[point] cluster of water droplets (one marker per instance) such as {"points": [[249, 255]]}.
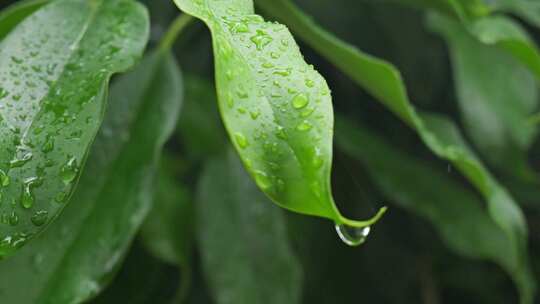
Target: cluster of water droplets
{"points": [[51, 90], [276, 104]]}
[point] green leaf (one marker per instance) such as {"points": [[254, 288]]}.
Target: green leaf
{"points": [[454, 211], [495, 107], [79, 253], [14, 14], [384, 81], [245, 252], [277, 109], [54, 72]]}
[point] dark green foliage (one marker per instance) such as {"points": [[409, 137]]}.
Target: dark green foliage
{"points": [[168, 189]]}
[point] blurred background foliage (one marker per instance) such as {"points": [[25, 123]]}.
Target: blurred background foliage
{"points": [[407, 258]]}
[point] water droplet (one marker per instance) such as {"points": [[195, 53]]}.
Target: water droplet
{"points": [[254, 114], [280, 133], [262, 180], [13, 219], [4, 178], [3, 93], [241, 140], [20, 161], [310, 83], [261, 39], [306, 112], [68, 172], [27, 197], [48, 145], [40, 217], [352, 236], [267, 65], [283, 72], [300, 101], [304, 126]]}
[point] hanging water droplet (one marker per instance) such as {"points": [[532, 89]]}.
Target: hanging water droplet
{"points": [[40, 217], [241, 140], [352, 236], [300, 101], [68, 172]]}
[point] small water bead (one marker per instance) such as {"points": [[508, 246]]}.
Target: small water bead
{"points": [[254, 114], [262, 180], [283, 72], [261, 39], [300, 101], [307, 112], [309, 83], [241, 140], [48, 145], [268, 65], [13, 219], [21, 161], [3, 93], [304, 126], [241, 110], [39, 218], [4, 178], [352, 236], [280, 133], [69, 170]]}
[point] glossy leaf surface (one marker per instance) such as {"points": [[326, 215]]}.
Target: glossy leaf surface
{"points": [[72, 260], [454, 211], [276, 108], [14, 14], [384, 81], [54, 72], [245, 251]]}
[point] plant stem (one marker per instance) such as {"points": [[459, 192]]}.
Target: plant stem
{"points": [[177, 26]]}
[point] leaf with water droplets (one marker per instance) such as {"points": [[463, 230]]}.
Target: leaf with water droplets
{"points": [[277, 109], [81, 250], [441, 135], [14, 14], [245, 250], [54, 71]]}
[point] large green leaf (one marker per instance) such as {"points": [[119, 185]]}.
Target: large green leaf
{"points": [[276, 108], [79, 253], [384, 81], [456, 212], [54, 72], [496, 95], [14, 14], [243, 239]]}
